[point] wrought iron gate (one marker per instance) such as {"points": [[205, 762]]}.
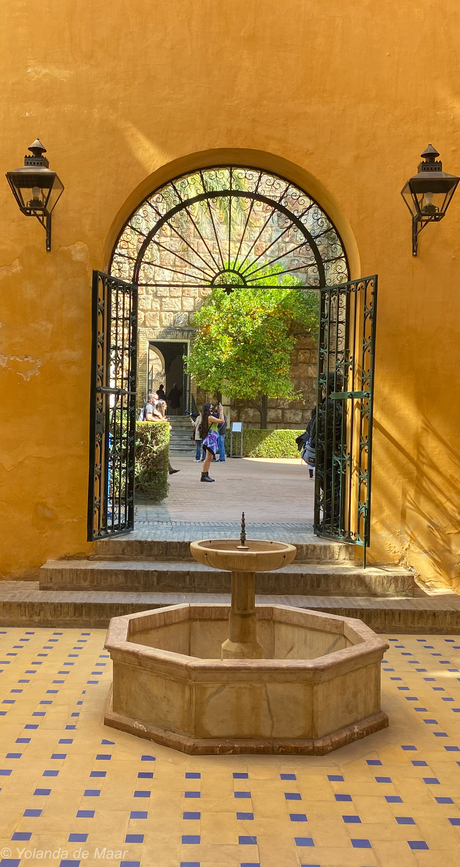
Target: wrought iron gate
{"points": [[113, 407], [342, 431]]}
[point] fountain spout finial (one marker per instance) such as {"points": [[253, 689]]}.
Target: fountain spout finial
{"points": [[242, 544]]}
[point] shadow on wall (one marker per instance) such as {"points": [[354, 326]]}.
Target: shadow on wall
{"points": [[430, 502]]}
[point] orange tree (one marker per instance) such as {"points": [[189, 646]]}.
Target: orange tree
{"points": [[245, 338]]}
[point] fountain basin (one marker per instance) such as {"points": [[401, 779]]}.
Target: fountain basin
{"points": [[259, 555], [318, 687]]}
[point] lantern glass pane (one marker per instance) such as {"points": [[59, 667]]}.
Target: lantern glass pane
{"points": [[36, 190], [54, 194], [36, 197], [431, 203], [410, 200], [18, 192]]}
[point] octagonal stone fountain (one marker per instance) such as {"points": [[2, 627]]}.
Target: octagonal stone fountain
{"points": [[212, 678]]}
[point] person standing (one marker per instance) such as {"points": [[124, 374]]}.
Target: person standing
{"points": [[151, 412], [209, 436], [174, 397], [221, 431], [326, 429], [160, 409], [197, 439], [161, 393], [308, 431]]}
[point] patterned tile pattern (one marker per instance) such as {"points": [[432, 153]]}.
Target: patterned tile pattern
{"points": [[73, 792]]}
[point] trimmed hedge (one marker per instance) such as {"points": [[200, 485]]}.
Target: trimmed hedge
{"points": [[265, 443], [152, 458]]}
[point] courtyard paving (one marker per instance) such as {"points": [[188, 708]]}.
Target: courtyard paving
{"points": [[270, 492], [74, 792]]}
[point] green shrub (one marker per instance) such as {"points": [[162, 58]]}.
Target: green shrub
{"points": [[265, 443], [152, 458]]}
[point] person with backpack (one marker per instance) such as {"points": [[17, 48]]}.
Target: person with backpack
{"points": [[326, 429], [307, 453], [150, 412], [209, 436], [197, 439]]}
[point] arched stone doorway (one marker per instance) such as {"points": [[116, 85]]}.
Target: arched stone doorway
{"points": [[156, 369], [227, 225], [222, 227]]}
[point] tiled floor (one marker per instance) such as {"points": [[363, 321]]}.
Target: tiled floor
{"points": [[73, 792]]}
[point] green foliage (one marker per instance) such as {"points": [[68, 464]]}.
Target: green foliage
{"points": [[245, 338], [265, 443], [152, 458]]}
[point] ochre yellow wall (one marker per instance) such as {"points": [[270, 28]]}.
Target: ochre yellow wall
{"points": [[342, 98]]}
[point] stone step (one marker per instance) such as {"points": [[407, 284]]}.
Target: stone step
{"points": [[181, 441], [179, 576], [22, 603], [180, 423], [128, 548]]}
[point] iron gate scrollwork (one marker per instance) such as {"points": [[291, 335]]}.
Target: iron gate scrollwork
{"points": [[342, 431], [228, 226], [113, 407]]}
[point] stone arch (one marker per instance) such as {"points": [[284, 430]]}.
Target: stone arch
{"points": [[220, 225], [231, 224], [271, 162]]}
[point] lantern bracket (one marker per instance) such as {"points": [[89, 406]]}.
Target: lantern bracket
{"points": [[416, 222], [428, 193], [36, 188]]}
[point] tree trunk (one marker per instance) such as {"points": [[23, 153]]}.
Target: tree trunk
{"points": [[264, 412], [262, 408]]}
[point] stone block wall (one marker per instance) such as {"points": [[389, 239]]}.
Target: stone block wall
{"points": [[165, 315], [282, 414]]}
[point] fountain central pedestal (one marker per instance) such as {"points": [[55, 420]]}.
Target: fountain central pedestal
{"points": [[242, 623], [243, 560]]}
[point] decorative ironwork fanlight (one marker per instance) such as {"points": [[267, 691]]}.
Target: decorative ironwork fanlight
{"points": [[227, 227], [36, 188], [428, 193]]}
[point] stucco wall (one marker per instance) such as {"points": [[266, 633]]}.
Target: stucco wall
{"points": [[342, 99]]}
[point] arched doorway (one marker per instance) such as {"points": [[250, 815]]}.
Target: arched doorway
{"points": [[233, 225], [221, 226], [227, 225], [156, 370]]}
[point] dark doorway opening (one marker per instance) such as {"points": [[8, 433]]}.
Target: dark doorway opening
{"points": [[166, 367]]}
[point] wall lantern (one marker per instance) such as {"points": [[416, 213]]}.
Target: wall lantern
{"points": [[36, 188], [428, 193]]}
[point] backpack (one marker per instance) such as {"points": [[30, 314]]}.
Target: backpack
{"points": [[308, 454], [141, 416]]}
